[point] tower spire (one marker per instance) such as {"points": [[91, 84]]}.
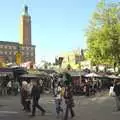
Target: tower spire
{"points": [[26, 10], [25, 27]]}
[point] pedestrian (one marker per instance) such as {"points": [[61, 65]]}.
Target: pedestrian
{"points": [[9, 87], [15, 87], [29, 87], [25, 96], [41, 85], [35, 94], [68, 95], [58, 99], [117, 93], [28, 100]]}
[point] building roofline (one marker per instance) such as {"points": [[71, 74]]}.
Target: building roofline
{"points": [[15, 43]]}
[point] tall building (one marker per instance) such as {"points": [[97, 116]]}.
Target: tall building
{"points": [[8, 50], [25, 28]]}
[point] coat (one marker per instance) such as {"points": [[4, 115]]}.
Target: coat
{"points": [[35, 93], [117, 89], [68, 95]]}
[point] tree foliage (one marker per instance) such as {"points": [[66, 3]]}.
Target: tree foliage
{"points": [[103, 34]]}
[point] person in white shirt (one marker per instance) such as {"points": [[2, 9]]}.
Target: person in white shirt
{"points": [[58, 99], [9, 87], [29, 87]]}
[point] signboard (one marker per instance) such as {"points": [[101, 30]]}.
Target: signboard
{"points": [[18, 58]]}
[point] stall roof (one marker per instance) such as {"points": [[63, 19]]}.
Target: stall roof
{"points": [[29, 76], [77, 73]]}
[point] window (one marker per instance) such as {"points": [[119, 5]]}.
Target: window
{"points": [[1, 52], [1, 46], [10, 47], [5, 52], [10, 53], [5, 46], [14, 47], [27, 48], [14, 53]]}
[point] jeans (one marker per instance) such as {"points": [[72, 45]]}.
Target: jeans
{"points": [[58, 106], [35, 104], [27, 106], [4, 91], [68, 108]]}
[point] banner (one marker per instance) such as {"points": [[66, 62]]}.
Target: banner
{"points": [[18, 57]]}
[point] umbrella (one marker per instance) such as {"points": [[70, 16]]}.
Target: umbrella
{"points": [[92, 75]]}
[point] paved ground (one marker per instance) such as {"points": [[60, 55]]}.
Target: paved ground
{"points": [[97, 108]]}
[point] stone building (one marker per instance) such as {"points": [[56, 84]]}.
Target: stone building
{"points": [[8, 50], [72, 59]]}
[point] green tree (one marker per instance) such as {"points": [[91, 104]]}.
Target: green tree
{"points": [[103, 34]]}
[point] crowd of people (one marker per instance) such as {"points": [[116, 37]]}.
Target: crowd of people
{"points": [[31, 92], [61, 92], [91, 87], [9, 87], [62, 88]]}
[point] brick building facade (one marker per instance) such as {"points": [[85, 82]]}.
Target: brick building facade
{"points": [[8, 50]]}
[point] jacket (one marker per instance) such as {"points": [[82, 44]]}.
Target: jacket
{"points": [[35, 93], [117, 89], [68, 96]]}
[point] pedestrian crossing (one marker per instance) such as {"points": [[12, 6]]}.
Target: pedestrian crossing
{"points": [[8, 112]]}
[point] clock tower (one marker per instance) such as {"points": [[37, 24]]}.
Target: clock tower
{"points": [[25, 28]]}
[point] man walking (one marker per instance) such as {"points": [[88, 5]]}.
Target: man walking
{"points": [[117, 93], [36, 96], [69, 102]]}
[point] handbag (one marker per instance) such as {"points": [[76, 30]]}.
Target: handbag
{"points": [[111, 91]]}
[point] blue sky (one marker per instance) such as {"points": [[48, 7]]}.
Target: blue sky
{"points": [[57, 25]]}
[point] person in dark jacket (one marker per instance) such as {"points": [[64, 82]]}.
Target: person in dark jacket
{"points": [[69, 102], [117, 93], [35, 94]]}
